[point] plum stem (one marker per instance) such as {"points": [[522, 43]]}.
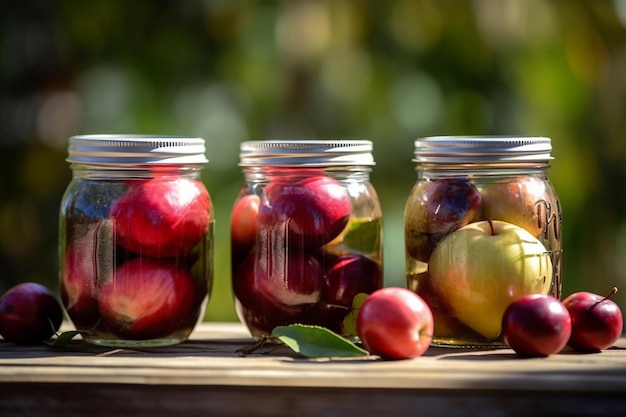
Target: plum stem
{"points": [[52, 326], [606, 297], [490, 221], [338, 306], [257, 345]]}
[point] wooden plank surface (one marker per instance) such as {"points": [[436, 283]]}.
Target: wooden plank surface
{"points": [[208, 370]]}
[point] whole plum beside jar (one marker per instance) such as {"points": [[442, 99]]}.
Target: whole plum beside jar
{"points": [[536, 325], [597, 321], [29, 313]]}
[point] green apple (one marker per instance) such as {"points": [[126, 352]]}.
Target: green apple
{"points": [[479, 269], [520, 201]]}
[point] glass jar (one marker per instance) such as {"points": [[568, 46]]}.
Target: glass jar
{"points": [[136, 239], [306, 233], [482, 227]]}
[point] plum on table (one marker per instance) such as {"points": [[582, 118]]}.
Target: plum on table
{"points": [[29, 313], [597, 321], [536, 325]]}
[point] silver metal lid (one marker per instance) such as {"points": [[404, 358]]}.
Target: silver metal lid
{"points": [[131, 150], [311, 153], [458, 150]]}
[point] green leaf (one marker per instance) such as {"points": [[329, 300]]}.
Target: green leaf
{"points": [[316, 341], [349, 321], [63, 339], [362, 235]]}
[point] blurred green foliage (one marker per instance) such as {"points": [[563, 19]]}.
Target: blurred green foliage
{"points": [[388, 71]]}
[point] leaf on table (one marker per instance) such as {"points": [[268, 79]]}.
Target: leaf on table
{"points": [[316, 341], [63, 339]]}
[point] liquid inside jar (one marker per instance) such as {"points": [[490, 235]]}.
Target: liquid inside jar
{"points": [[304, 243], [474, 243]]}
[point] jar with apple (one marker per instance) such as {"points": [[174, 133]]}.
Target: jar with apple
{"points": [[482, 228], [136, 239], [306, 233]]}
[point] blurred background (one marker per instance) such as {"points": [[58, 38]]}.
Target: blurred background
{"points": [[388, 71]]}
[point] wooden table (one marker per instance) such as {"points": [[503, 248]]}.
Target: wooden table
{"points": [[207, 377]]}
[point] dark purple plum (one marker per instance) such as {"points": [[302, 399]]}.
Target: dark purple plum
{"points": [[597, 321], [313, 210], [536, 325], [435, 209], [278, 290], [348, 276], [29, 313]]}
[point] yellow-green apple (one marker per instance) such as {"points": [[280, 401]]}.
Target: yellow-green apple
{"points": [[481, 268], [518, 201], [435, 209], [447, 327]]}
